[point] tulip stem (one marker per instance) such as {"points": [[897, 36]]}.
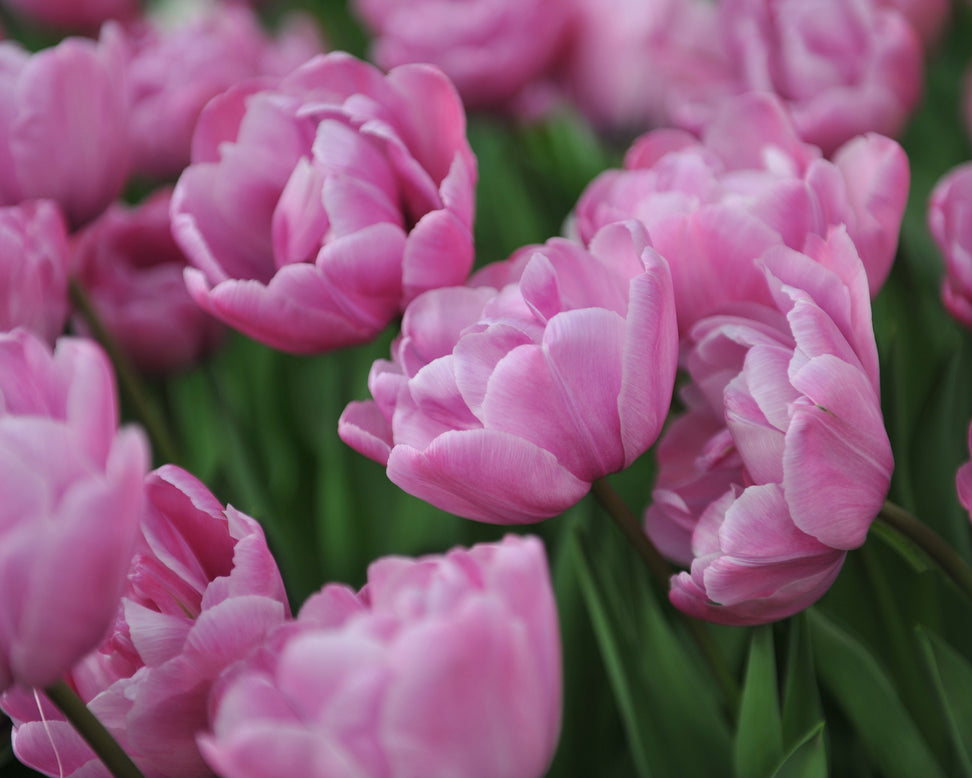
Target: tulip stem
{"points": [[119, 764], [929, 541], [128, 378], [662, 572]]}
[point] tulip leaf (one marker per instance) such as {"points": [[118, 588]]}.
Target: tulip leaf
{"points": [[611, 651], [686, 734], [808, 758], [801, 697], [758, 747], [863, 691], [951, 676]]}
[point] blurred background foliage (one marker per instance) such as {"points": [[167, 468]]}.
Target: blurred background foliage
{"points": [[875, 680]]}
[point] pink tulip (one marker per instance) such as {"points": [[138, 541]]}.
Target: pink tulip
{"points": [[492, 50], [203, 591], [441, 666], [950, 223], [173, 73], [130, 267], [784, 410], [713, 206], [64, 124], [33, 269], [843, 67], [86, 16], [926, 16], [506, 398], [617, 42], [315, 210], [72, 492]]}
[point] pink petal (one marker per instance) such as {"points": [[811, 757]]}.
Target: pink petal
{"points": [[487, 475]]}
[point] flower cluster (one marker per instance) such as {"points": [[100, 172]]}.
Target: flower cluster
{"points": [[185, 169]]}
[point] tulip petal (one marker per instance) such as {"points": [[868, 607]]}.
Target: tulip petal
{"points": [[515, 481]]}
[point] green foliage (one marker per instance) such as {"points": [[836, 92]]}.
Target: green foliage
{"points": [[668, 704], [758, 747]]}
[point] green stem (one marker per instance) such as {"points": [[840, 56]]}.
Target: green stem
{"points": [[662, 572], [93, 731], [128, 378], [929, 541]]}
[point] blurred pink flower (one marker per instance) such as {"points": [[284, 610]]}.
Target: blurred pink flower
{"points": [[173, 73], [72, 493], [617, 42], [34, 258], [77, 15], [203, 591], [843, 67], [64, 117], [492, 50], [132, 270], [713, 206], [316, 209], [781, 460], [508, 397], [950, 223], [926, 16], [440, 666]]}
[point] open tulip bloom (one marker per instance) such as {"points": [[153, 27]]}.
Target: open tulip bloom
{"points": [[692, 279], [508, 396]]}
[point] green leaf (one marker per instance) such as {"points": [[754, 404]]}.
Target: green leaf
{"points": [[611, 652], [808, 759], [669, 708], [853, 677], [951, 676], [758, 747], [801, 697]]}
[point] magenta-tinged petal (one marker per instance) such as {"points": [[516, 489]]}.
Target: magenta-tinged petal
{"points": [[77, 84], [299, 220], [575, 377], [649, 358], [434, 321], [425, 88], [363, 427], [515, 481], [451, 676], [364, 272], [759, 443], [438, 253], [476, 356], [877, 175], [296, 312], [434, 390], [837, 465]]}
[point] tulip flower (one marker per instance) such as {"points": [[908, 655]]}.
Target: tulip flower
{"points": [[492, 50], [316, 209], [843, 67], [616, 42], [132, 271], [784, 412], [950, 223], [72, 495], [508, 397], [441, 666], [74, 151], [714, 205], [34, 259], [202, 592], [174, 72]]}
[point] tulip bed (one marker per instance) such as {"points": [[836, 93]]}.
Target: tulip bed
{"points": [[594, 401]]}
